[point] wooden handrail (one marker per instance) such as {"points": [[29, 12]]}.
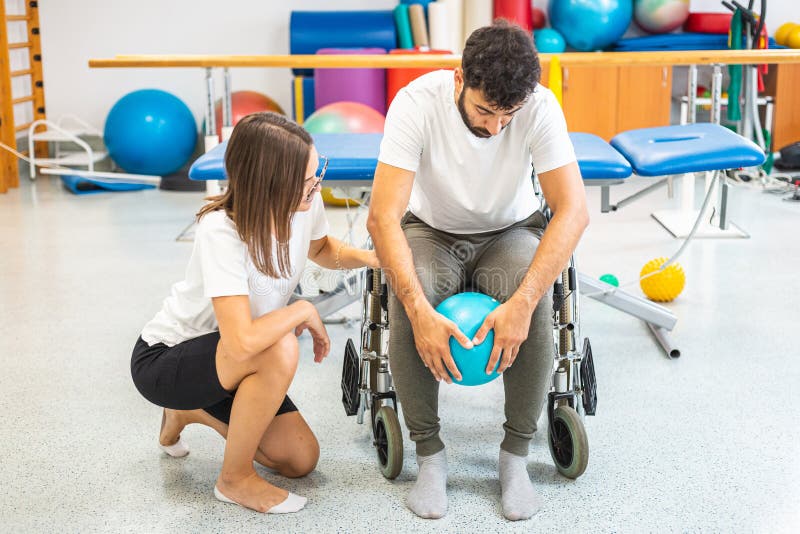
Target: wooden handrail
{"points": [[583, 59]]}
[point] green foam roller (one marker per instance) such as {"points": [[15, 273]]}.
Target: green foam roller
{"points": [[403, 23]]}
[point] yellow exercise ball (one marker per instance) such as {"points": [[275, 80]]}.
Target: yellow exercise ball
{"points": [[331, 200], [793, 37], [781, 36], [664, 286]]}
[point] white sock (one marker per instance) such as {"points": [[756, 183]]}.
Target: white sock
{"points": [[428, 497], [519, 499], [178, 449], [293, 503]]}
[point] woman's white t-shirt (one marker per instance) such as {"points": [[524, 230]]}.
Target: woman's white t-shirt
{"points": [[220, 265], [465, 184]]}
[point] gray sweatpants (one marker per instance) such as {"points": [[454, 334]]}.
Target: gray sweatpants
{"points": [[493, 263]]}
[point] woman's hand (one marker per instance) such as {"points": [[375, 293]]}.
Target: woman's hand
{"points": [[371, 259], [313, 323]]}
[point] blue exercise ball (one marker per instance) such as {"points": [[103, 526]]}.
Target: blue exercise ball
{"points": [[591, 24], [468, 310], [150, 132], [549, 41]]}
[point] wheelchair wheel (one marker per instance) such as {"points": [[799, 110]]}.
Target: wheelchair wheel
{"points": [[389, 442], [569, 445]]}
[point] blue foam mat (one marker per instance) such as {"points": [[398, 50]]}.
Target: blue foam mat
{"points": [[81, 185], [311, 30], [677, 41]]}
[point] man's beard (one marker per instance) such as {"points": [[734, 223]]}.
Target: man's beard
{"points": [[483, 133]]}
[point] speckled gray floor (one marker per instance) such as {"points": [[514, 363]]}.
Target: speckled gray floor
{"points": [[706, 443]]}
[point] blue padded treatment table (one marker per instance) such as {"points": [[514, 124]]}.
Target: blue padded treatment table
{"points": [[352, 159], [670, 150], [597, 160]]}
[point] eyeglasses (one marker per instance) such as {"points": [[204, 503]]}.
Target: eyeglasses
{"points": [[319, 177], [324, 168]]}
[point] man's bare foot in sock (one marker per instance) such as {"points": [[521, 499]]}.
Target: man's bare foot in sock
{"points": [[252, 491], [519, 499], [428, 497]]}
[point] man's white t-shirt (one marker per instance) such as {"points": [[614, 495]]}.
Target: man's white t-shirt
{"points": [[465, 184], [220, 265]]}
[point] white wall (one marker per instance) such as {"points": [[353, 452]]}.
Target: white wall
{"points": [[73, 31]]}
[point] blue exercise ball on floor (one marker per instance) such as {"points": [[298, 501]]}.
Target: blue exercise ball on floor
{"points": [[591, 24], [150, 132], [468, 310]]}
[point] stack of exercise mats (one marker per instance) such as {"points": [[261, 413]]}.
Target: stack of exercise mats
{"points": [[339, 32], [412, 27], [677, 41]]}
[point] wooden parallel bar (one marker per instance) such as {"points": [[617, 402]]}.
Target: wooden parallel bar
{"points": [[21, 127], [15, 73], [22, 99], [15, 18], [588, 59], [41, 149], [25, 44]]}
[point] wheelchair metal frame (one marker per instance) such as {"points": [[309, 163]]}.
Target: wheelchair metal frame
{"points": [[367, 380]]}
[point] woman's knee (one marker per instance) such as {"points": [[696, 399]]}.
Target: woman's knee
{"points": [[296, 460], [304, 459], [282, 356]]}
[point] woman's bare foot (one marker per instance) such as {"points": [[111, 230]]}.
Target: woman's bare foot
{"points": [[172, 424], [252, 491]]}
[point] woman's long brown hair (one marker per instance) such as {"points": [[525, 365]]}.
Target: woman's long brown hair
{"points": [[266, 162]]}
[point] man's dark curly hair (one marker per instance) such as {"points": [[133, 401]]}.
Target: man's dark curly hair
{"points": [[501, 61]]}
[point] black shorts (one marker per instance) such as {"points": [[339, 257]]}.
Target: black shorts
{"points": [[184, 377]]}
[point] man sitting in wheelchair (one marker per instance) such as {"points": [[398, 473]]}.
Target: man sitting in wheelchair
{"points": [[453, 206]]}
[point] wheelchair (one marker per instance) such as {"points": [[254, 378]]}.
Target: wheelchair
{"points": [[367, 379]]}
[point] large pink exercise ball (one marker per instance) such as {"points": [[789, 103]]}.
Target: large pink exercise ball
{"points": [[660, 16], [345, 117], [244, 103], [590, 24]]}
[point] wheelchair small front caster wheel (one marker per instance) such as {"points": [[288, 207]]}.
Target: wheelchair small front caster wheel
{"points": [[569, 445], [388, 442]]}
